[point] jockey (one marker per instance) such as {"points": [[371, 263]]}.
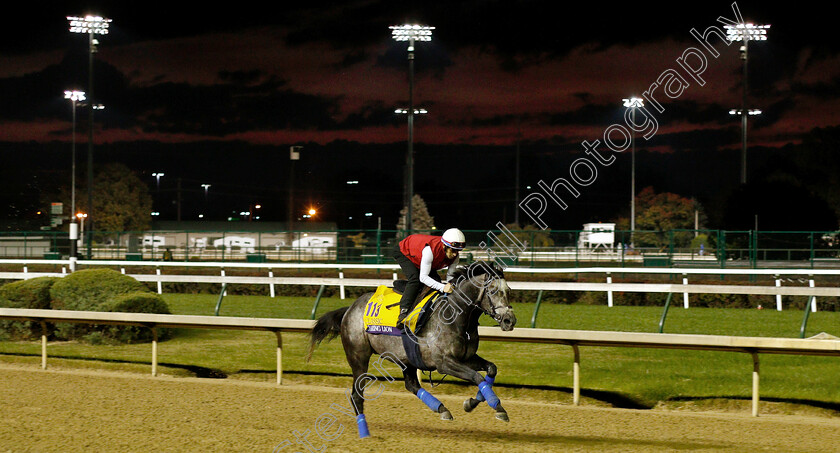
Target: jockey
{"points": [[420, 256]]}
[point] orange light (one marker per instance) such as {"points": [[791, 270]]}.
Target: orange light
{"points": [[312, 211]]}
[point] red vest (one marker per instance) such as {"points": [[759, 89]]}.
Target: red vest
{"points": [[412, 247]]}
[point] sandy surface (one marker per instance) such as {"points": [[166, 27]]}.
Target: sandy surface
{"points": [[88, 411]]}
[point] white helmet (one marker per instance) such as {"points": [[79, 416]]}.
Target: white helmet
{"points": [[454, 239]]}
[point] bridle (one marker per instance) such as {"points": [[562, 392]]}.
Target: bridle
{"points": [[482, 294]]}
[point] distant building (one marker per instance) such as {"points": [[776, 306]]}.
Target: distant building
{"points": [[245, 237]]}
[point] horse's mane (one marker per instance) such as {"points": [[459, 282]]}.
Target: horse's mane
{"points": [[479, 268]]}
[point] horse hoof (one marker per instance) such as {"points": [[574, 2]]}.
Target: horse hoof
{"points": [[470, 404], [446, 415], [503, 416]]}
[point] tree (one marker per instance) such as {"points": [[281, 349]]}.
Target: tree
{"points": [[420, 218], [659, 213], [121, 200], [528, 235]]}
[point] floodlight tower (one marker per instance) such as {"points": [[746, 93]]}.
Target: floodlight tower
{"points": [[410, 33], [633, 103], [91, 25], [745, 32], [74, 97]]}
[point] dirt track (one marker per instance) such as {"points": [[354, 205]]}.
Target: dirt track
{"points": [[81, 411]]}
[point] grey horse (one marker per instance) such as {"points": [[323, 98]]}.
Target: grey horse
{"points": [[447, 343]]}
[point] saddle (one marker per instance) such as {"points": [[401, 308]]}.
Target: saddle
{"points": [[380, 315], [399, 288]]}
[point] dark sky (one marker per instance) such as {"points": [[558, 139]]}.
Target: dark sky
{"points": [[217, 96]]}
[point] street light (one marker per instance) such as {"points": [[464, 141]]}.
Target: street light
{"points": [[410, 33], [91, 25], [633, 103], [745, 32], [81, 216]]}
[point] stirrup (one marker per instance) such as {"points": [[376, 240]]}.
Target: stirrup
{"points": [[401, 318]]}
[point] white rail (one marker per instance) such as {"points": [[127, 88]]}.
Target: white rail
{"points": [[159, 277], [574, 338]]}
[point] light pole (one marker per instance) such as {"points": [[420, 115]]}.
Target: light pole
{"points": [[206, 188], [157, 177], [74, 97], [745, 32], [82, 216], [410, 33], [633, 103], [91, 25], [294, 154]]}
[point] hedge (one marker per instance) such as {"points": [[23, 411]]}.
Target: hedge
{"points": [[105, 290], [32, 293]]}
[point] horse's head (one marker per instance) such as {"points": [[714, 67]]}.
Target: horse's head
{"points": [[484, 284]]}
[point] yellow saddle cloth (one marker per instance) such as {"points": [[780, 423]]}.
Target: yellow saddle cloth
{"points": [[379, 319]]}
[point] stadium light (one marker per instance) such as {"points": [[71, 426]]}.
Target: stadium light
{"points": [[90, 25], [633, 103], [410, 33], [745, 32]]}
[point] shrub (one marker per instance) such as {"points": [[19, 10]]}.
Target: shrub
{"points": [[88, 289], [32, 293], [104, 290], [136, 302]]}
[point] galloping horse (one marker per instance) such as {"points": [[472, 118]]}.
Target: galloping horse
{"points": [[448, 342]]}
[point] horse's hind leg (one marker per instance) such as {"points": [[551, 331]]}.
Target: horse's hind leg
{"points": [[412, 384], [358, 352]]}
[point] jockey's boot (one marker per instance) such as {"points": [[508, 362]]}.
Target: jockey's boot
{"points": [[401, 317]]}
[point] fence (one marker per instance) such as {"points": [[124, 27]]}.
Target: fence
{"points": [[719, 248], [574, 338], [604, 273]]}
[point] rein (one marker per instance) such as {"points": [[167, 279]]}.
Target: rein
{"points": [[476, 303]]}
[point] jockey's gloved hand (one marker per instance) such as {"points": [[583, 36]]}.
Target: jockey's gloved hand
{"points": [[447, 288]]}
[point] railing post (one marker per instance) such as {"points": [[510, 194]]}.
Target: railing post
{"points": [[804, 325], [685, 295], [778, 296], [43, 345], [576, 376], [221, 296], [154, 350], [755, 378], [665, 312], [609, 292], [317, 300], [341, 286], [536, 309], [271, 285], [277, 333]]}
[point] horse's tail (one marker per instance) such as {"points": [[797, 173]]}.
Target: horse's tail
{"points": [[327, 327]]}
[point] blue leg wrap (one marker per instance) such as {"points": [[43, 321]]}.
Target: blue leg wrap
{"points": [[487, 391], [479, 397], [427, 398], [363, 427]]}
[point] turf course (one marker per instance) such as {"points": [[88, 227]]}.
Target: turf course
{"points": [[624, 377]]}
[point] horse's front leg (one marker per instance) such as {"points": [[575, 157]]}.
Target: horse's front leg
{"points": [[468, 371], [480, 364]]}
